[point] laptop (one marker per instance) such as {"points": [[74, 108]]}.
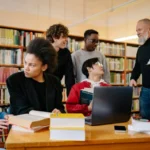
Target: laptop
{"points": [[110, 105]]}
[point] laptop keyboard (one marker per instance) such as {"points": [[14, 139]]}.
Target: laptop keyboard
{"points": [[88, 119]]}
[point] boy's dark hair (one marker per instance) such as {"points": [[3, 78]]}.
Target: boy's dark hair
{"points": [[88, 63], [43, 49], [55, 31], [89, 32]]}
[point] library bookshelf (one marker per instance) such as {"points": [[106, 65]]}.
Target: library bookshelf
{"points": [[13, 41]]}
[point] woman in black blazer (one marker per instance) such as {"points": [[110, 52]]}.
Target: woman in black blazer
{"points": [[35, 88]]}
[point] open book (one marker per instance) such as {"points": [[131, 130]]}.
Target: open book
{"points": [[31, 120], [31, 130]]}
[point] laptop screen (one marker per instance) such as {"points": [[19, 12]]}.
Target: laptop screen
{"points": [[111, 105]]}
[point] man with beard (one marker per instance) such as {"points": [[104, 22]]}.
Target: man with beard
{"points": [[142, 66], [78, 57]]}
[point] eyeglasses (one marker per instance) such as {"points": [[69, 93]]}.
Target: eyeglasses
{"points": [[93, 40], [98, 63]]}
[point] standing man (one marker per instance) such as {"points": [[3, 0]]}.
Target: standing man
{"points": [[142, 66], [78, 57], [57, 34]]}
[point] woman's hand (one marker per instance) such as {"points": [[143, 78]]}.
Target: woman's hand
{"points": [[56, 111]]}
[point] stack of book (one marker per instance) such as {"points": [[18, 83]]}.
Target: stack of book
{"points": [[70, 127], [139, 125], [32, 122]]}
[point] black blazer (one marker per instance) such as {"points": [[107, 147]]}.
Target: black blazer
{"points": [[23, 96]]}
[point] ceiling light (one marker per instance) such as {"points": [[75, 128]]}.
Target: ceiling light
{"points": [[126, 38]]}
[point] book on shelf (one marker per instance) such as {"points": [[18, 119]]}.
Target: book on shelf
{"points": [[70, 127], [31, 120], [86, 95]]}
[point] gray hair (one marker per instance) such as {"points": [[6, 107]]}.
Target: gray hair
{"points": [[145, 20]]}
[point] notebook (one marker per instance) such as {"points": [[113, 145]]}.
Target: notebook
{"points": [[110, 105]]}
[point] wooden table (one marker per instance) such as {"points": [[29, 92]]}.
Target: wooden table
{"points": [[97, 138]]}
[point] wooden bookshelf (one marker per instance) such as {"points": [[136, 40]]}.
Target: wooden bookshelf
{"points": [[13, 43], [115, 52]]}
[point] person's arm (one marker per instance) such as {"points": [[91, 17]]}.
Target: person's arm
{"points": [[106, 75], [69, 75], [73, 102], [136, 70], [59, 104], [18, 102]]}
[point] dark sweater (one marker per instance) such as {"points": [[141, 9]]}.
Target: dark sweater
{"points": [[141, 67], [65, 68], [24, 97]]}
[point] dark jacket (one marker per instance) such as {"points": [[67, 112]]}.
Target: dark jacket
{"points": [[141, 64], [23, 96], [65, 68]]}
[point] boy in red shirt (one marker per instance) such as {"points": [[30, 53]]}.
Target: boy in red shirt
{"points": [[93, 70]]}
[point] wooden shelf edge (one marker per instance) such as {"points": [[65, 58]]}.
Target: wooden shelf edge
{"points": [[115, 84], [135, 97], [11, 46], [130, 57], [11, 65], [17, 28], [106, 55], [135, 111], [116, 70], [2, 83]]}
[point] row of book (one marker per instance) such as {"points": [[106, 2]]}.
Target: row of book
{"points": [[115, 64], [74, 45], [116, 78], [128, 76], [4, 94], [5, 72], [130, 63], [112, 49], [105, 47], [13, 56], [17, 37]]}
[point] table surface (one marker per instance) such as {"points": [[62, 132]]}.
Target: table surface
{"points": [[95, 135]]}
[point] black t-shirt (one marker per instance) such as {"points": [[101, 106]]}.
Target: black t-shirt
{"points": [[65, 68], [40, 89]]}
